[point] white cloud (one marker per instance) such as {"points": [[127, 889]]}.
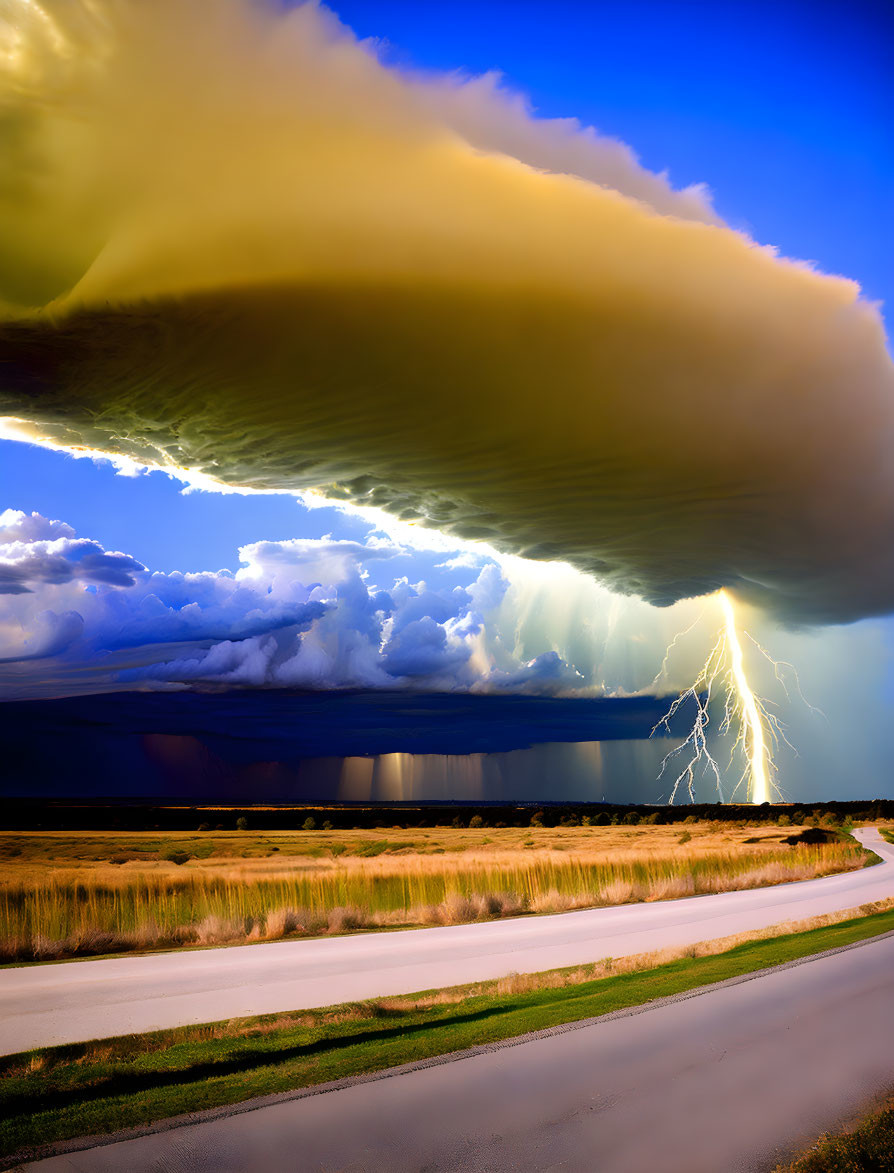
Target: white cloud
{"points": [[37, 551], [305, 613]]}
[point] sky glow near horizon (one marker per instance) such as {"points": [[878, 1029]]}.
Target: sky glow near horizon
{"points": [[328, 597]]}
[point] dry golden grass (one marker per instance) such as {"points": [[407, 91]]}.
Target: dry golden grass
{"points": [[513, 984], [60, 895], [270, 851]]}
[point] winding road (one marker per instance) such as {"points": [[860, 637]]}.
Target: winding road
{"points": [[730, 1079], [75, 1001]]}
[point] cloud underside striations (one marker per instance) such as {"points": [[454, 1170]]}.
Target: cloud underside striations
{"points": [[239, 243]]}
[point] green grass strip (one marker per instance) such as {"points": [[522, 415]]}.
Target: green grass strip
{"points": [[86, 1089]]}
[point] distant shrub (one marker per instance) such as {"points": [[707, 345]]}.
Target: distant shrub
{"points": [[476, 821], [309, 824], [811, 836], [173, 855], [373, 849], [685, 837], [204, 827], [327, 826], [631, 819], [537, 819], [242, 823]]}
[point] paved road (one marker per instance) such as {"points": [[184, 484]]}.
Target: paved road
{"points": [[731, 1079], [75, 1001]]}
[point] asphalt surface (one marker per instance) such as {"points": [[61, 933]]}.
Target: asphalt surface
{"points": [[76, 1001], [731, 1080]]}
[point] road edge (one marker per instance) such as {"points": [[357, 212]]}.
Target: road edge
{"points": [[16, 1162]]}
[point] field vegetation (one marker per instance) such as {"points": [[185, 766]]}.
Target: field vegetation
{"points": [[90, 1088], [88, 893], [866, 1147]]}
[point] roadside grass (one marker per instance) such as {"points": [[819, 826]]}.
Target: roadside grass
{"points": [[868, 1147], [59, 1093], [64, 895]]}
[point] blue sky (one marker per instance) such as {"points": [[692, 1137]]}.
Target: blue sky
{"points": [[782, 109], [153, 519]]}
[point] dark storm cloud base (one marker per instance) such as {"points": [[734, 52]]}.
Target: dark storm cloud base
{"points": [[246, 746]]}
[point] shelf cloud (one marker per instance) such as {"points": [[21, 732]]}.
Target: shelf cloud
{"points": [[233, 240]]}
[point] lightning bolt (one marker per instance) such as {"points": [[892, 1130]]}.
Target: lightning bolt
{"points": [[758, 731], [750, 710]]}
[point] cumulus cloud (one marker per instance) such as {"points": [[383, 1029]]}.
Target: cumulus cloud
{"points": [[39, 551], [232, 239], [300, 614]]}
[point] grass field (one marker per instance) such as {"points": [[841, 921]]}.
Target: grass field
{"points": [[97, 1087], [89, 893]]}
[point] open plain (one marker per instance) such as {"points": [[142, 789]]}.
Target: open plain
{"points": [[78, 894], [74, 1001]]}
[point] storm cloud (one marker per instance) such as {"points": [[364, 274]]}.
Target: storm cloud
{"points": [[233, 240]]}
